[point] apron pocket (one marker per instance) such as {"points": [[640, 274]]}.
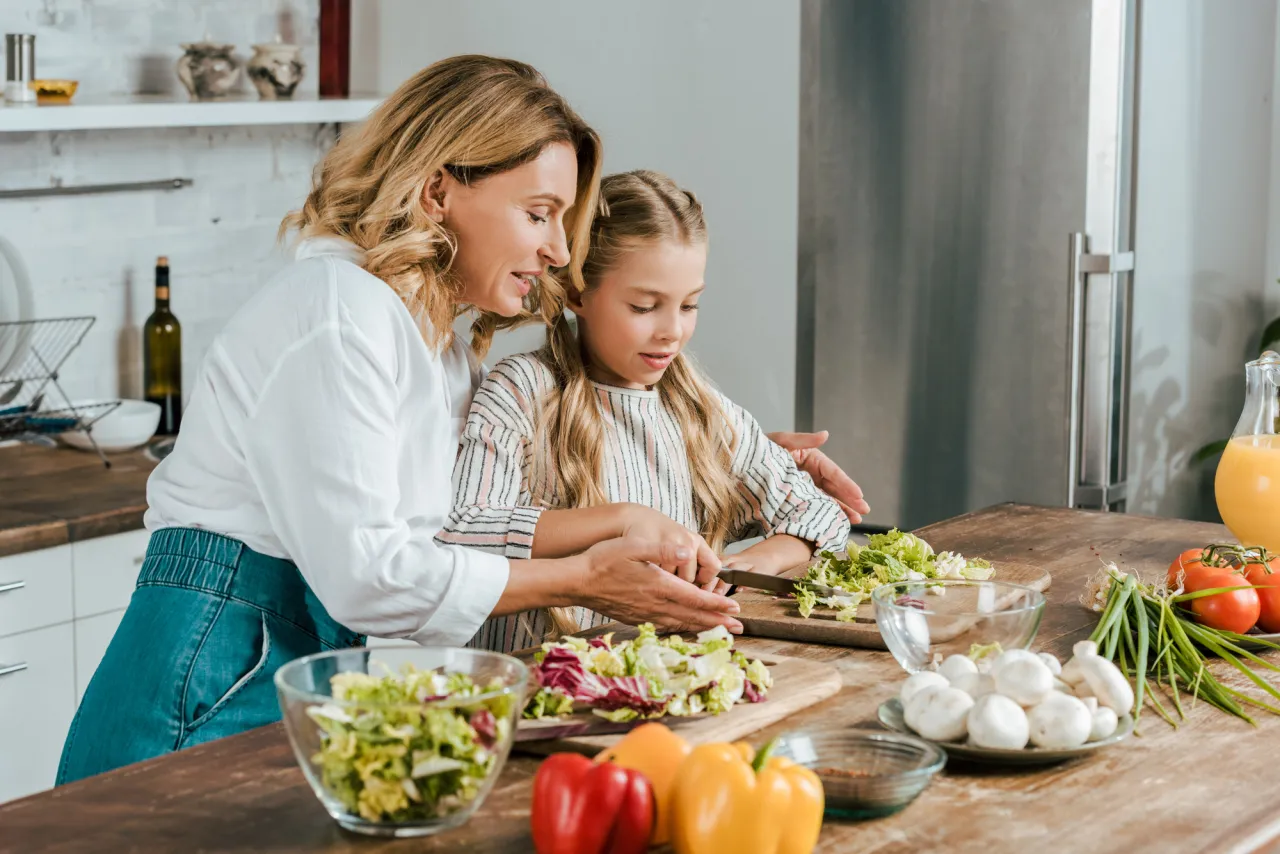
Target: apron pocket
{"points": [[233, 654]]}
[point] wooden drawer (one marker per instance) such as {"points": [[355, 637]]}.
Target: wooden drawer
{"points": [[93, 634], [106, 570], [37, 590], [36, 707]]}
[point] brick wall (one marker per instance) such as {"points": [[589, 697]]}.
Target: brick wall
{"points": [[94, 255]]}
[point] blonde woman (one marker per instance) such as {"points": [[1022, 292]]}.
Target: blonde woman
{"points": [[616, 418], [299, 508]]}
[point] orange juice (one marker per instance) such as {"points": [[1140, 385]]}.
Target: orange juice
{"points": [[1248, 490]]}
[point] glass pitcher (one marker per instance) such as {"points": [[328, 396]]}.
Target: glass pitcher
{"points": [[1247, 486]]}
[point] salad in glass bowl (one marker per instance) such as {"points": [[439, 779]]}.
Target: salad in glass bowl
{"points": [[401, 741]]}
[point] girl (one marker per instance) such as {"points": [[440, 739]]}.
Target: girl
{"points": [[616, 415]]}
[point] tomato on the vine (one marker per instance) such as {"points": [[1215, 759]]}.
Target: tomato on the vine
{"points": [[1265, 574], [1234, 611]]}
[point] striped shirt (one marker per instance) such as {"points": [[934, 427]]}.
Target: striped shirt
{"points": [[496, 504]]}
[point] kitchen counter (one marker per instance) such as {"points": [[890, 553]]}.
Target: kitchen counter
{"points": [[247, 793], [52, 496]]}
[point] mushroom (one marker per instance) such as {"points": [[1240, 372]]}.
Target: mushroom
{"points": [[1026, 681], [1051, 661], [975, 684], [1059, 721], [998, 722], [1105, 722], [1071, 672], [917, 682], [956, 666], [939, 714], [1107, 684]]}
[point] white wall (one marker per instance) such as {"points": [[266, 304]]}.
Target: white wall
{"points": [[94, 255], [1204, 175], [704, 90]]}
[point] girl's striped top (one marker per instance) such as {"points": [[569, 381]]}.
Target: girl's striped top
{"points": [[496, 505]]}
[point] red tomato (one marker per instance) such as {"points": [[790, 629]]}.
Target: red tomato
{"points": [[1267, 577], [1236, 611], [1188, 564]]}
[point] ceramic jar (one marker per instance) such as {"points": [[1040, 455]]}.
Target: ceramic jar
{"points": [[276, 70], [208, 70]]}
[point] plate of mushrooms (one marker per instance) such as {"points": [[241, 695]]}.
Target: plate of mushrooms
{"points": [[1016, 707]]}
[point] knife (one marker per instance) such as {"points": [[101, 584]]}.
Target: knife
{"points": [[773, 583]]}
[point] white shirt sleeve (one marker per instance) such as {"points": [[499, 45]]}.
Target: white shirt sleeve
{"points": [[323, 451]]}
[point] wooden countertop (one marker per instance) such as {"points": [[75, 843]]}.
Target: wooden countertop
{"points": [[246, 792], [52, 496]]}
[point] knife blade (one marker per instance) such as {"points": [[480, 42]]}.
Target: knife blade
{"points": [[779, 584]]}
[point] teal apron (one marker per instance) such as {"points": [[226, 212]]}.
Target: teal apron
{"points": [[209, 624]]}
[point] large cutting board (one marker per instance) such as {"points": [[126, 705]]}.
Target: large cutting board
{"points": [[765, 615], [797, 684]]}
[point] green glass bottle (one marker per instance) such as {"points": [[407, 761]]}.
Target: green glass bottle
{"points": [[162, 356]]}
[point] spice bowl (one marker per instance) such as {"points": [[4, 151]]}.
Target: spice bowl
{"points": [[55, 91], [864, 774]]}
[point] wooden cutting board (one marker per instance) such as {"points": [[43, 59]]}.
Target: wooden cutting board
{"points": [[797, 684], [765, 615]]}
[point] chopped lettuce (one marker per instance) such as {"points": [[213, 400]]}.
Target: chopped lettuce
{"points": [[648, 677], [885, 559], [388, 754]]}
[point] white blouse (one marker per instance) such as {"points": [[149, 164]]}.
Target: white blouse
{"points": [[323, 430]]}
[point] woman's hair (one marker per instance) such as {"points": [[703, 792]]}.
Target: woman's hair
{"points": [[637, 210], [472, 116]]}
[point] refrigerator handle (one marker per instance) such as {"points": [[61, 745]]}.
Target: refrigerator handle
{"points": [[1078, 246]]}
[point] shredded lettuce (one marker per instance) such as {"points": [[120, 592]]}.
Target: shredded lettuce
{"points": [[885, 559], [389, 754], [648, 677]]}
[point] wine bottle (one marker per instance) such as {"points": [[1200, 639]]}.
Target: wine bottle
{"points": [[162, 356]]}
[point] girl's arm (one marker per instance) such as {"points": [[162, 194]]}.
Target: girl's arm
{"points": [[773, 556]]}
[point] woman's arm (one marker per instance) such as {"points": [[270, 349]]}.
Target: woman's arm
{"points": [[828, 476]]}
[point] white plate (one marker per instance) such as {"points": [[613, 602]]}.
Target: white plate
{"points": [[890, 715], [17, 302]]}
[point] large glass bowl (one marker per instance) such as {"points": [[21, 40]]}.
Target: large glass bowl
{"points": [[864, 774], [401, 768], [923, 622]]}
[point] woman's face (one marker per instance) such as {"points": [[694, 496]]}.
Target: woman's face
{"points": [[509, 226]]}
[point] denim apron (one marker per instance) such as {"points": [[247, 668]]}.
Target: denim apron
{"points": [[194, 657]]}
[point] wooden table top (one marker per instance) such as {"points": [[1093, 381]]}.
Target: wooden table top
{"points": [[1148, 793], [52, 496]]}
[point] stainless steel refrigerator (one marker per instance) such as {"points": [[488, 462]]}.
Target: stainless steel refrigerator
{"points": [[964, 269]]}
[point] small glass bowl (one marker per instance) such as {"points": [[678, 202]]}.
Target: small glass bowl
{"points": [[54, 91], [864, 774], [924, 621], [348, 748]]}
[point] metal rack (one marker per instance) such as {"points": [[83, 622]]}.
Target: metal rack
{"points": [[32, 353]]}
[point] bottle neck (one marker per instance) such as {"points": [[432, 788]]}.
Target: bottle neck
{"points": [[162, 287]]}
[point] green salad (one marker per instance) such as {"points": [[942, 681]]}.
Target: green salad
{"points": [[886, 558], [390, 752], [648, 677]]}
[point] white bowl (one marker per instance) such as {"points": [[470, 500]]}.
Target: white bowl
{"points": [[128, 426]]}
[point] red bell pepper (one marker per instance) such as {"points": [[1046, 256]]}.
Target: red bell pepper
{"points": [[585, 807]]}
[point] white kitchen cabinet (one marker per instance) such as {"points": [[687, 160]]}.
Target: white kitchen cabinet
{"points": [[105, 570], [37, 702], [93, 634], [35, 590]]}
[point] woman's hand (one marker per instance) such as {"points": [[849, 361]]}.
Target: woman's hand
{"points": [[645, 523], [633, 580], [827, 476]]}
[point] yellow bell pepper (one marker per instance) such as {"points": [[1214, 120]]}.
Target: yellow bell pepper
{"points": [[728, 799], [657, 753]]}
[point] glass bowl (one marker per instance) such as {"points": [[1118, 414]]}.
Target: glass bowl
{"points": [[54, 91], [864, 774], [925, 621], [391, 767]]}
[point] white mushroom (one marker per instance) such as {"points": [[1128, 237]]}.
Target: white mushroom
{"points": [[1051, 661], [1082, 690], [1104, 723], [1026, 681], [917, 682], [911, 710], [975, 684], [1071, 673], [1107, 683], [1060, 721], [1011, 655], [940, 714], [1059, 685], [1090, 703], [956, 666], [998, 722]]}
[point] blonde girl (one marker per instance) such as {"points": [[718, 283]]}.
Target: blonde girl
{"points": [[616, 418]]}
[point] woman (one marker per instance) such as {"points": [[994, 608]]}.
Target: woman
{"points": [[298, 509]]}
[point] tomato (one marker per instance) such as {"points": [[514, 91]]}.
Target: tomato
{"points": [[1237, 611], [1267, 577], [1189, 564]]}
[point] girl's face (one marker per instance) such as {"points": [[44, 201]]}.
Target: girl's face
{"points": [[509, 226], [642, 312]]}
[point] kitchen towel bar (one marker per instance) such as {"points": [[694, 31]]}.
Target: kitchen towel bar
{"points": [[89, 189]]}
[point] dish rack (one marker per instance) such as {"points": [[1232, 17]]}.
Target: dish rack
{"points": [[31, 354]]}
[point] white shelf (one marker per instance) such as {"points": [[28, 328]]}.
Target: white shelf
{"points": [[143, 111]]}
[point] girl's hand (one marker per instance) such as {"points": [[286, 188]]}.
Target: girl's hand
{"points": [[645, 523], [632, 580], [827, 476]]}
